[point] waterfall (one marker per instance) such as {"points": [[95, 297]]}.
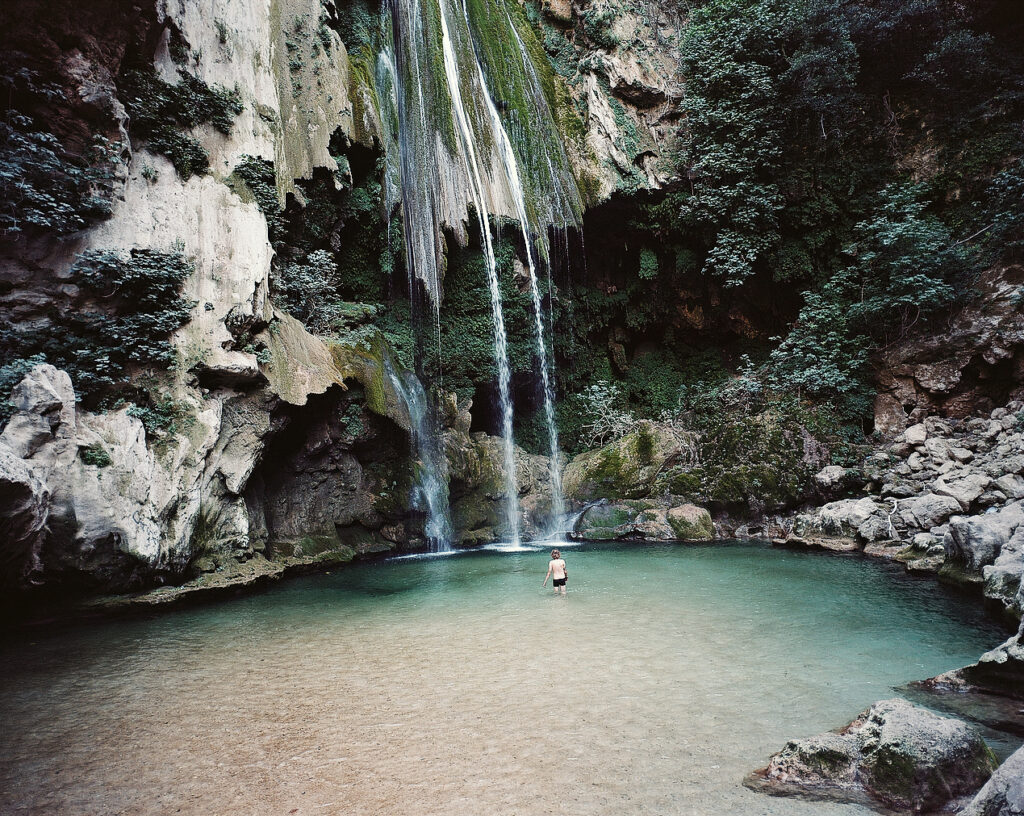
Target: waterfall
{"points": [[500, 337], [430, 482], [511, 167], [456, 156]]}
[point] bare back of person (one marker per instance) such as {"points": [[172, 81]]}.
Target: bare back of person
{"points": [[557, 571]]}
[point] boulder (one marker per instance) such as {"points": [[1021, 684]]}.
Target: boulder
{"points": [[895, 753], [834, 480], [974, 542], [839, 518], [608, 521], [1003, 794], [690, 523], [1000, 670], [926, 511], [648, 519], [964, 487], [626, 468], [1003, 577], [1011, 485], [915, 434]]}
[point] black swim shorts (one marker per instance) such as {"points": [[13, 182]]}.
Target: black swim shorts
{"points": [[559, 582]]}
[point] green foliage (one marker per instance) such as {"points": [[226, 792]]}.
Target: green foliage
{"points": [[95, 455], [648, 264], [466, 354], [261, 181], [732, 53], [12, 371], [162, 415], [903, 267], [133, 306], [605, 417], [307, 289], [597, 25], [44, 188], [756, 451], [160, 112]]}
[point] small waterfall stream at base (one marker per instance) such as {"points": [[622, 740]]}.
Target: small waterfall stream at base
{"points": [[430, 485]]}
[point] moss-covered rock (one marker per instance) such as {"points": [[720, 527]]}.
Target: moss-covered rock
{"points": [[647, 519], [691, 523], [625, 469], [894, 754]]}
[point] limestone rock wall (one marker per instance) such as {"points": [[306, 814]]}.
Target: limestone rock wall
{"points": [[620, 62]]}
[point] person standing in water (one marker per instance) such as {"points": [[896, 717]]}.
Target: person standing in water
{"points": [[557, 571]]}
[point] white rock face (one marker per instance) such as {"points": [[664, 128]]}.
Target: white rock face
{"points": [[1003, 794], [142, 504]]}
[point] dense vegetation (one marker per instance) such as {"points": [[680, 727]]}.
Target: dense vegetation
{"points": [[860, 159], [130, 305]]}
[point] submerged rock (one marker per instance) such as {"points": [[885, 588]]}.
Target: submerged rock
{"points": [[895, 754]]}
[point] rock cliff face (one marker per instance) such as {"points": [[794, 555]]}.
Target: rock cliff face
{"points": [[976, 364], [620, 62], [258, 442]]}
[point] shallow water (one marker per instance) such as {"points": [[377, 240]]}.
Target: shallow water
{"points": [[458, 686]]}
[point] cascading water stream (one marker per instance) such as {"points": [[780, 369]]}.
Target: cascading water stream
{"points": [[430, 488], [456, 154], [500, 336], [511, 167]]}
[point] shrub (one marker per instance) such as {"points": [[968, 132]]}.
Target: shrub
{"points": [[95, 455], [43, 188], [161, 111], [606, 419], [139, 294]]}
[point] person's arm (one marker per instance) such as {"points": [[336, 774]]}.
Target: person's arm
{"points": [[545, 581]]}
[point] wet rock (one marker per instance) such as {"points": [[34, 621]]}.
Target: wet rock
{"points": [[1000, 670], [895, 753], [648, 519], [1003, 794]]}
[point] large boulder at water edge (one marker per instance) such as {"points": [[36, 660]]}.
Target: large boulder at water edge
{"points": [[646, 519], [895, 754], [626, 468], [1003, 794], [974, 543], [478, 485]]}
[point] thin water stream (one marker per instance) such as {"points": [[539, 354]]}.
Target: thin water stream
{"points": [[456, 685]]}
